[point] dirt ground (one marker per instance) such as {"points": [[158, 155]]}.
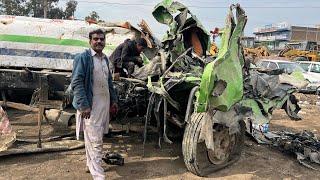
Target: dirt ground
{"points": [[256, 162]]}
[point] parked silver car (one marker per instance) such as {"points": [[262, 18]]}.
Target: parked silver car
{"points": [[288, 66]]}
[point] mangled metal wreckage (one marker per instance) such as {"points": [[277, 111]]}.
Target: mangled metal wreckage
{"points": [[211, 100], [36, 58], [37, 54], [181, 89]]}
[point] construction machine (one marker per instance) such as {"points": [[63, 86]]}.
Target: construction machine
{"points": [[251, 50], [247, 43], [260, 51], [301, 51]]}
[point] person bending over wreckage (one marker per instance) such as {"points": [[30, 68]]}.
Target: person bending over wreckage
{"points": [[93, 93], [127, 55]]}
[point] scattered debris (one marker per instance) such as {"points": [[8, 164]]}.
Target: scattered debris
{"points": [[113, 159], [52, 115], [307, 99], [59, 117], [304, 145], [53, 146], [65, 118], [49, 139], [10, 145]]}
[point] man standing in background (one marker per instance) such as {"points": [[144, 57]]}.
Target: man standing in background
{"points": [[93, 93]]}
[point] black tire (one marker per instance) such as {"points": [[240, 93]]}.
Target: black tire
{"points": [[197, 158], [300, 59]]}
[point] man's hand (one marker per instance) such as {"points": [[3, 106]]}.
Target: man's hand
{"points": [[113, 109], [86, 113], [138, 61], [116, 76]]}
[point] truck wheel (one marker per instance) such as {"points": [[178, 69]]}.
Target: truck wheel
{"points": [[227, 147]]}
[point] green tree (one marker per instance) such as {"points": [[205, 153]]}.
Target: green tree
{"points": [[71, 7], [13, 7], [93, 16], [1, 7], [38, 8], [55, 13]]}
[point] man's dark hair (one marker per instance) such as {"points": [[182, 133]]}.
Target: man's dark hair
{"points": [[97, 31], [142, 42]]}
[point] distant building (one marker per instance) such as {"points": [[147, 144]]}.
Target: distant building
{"points": [[276, 36], [247, 41]]}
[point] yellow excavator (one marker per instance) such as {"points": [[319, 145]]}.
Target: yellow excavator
{"points": [[251, 50], [301, 51], [260, 51]]}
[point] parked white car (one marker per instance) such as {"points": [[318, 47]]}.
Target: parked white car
{"points": [[310, 66], [309, 74]]}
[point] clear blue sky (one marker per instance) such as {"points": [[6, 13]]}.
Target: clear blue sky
{"points": [[210, 12]]}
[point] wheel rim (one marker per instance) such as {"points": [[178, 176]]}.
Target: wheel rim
{"points": [[223, 145]]}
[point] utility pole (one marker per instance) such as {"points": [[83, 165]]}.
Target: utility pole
{"points": [[45, 8]]}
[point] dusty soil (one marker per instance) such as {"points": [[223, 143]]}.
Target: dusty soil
{"points": [[256, 162]]}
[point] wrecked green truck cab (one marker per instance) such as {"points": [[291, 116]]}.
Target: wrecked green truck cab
{"points": [[210, 101], [222, 80]]}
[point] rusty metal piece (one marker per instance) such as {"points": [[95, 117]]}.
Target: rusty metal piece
{"points": [[42, 98], [196, 43], [40, 118], [146, 29], [18, 106]]}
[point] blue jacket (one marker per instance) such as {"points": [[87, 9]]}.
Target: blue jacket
{"points": [[82, 81]]}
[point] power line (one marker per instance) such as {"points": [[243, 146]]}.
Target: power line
{"points": [[113, 3], [201, 7], [255, 1], [213, 1], [260, 7]]}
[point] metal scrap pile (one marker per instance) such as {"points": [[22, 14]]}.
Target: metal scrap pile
{"points": [[304, 145]]}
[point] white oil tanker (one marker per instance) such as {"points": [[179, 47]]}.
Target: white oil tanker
{"points": [[31, 48]]}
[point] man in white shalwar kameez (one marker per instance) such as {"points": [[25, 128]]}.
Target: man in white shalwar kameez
{"points": [[92, 87]]}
